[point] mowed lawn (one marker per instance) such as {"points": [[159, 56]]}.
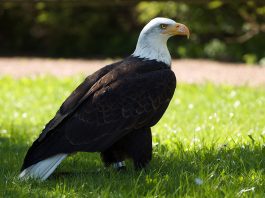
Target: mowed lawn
{"points": [[210, 143]]}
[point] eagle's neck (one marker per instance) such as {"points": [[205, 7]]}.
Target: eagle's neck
{"points": [[153, 47]]}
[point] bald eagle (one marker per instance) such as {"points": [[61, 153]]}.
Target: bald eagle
{"points": [[113, 110]]}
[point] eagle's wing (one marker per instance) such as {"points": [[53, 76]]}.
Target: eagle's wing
{"points": [[118, 108], [75, 99]]}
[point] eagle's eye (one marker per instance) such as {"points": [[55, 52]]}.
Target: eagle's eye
{"points": [[163, 26]]}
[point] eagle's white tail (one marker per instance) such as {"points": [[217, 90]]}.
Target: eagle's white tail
{"points": [[43, 169]]}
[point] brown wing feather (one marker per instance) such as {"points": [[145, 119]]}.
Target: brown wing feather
{"points": [[120, 107], [75, 99]]}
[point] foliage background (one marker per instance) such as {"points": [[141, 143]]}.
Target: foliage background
{"points": [[233, 31]]}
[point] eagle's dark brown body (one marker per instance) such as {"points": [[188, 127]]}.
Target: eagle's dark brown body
{"points": [[110, 112]]}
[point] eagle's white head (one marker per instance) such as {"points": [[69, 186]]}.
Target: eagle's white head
{"points": [[152, 42]]}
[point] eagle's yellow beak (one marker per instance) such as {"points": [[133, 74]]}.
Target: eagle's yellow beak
{"points": [[177, 29]]}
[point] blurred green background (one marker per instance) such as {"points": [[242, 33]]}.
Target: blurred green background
{"points": [[226, 31]]}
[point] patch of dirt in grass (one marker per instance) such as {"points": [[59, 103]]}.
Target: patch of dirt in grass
{"points": [[186, 70]]}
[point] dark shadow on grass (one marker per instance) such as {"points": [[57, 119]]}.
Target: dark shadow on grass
{"points": [[235, 161], [12, 155], [171, 167], [72, 173]]}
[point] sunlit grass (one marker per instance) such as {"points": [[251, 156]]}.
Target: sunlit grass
{"points": [[210, 143]]}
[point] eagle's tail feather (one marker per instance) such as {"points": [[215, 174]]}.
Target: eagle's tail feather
{"points": [[43, 169]]}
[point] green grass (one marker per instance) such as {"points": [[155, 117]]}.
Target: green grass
{"points": [[211, 134]]}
